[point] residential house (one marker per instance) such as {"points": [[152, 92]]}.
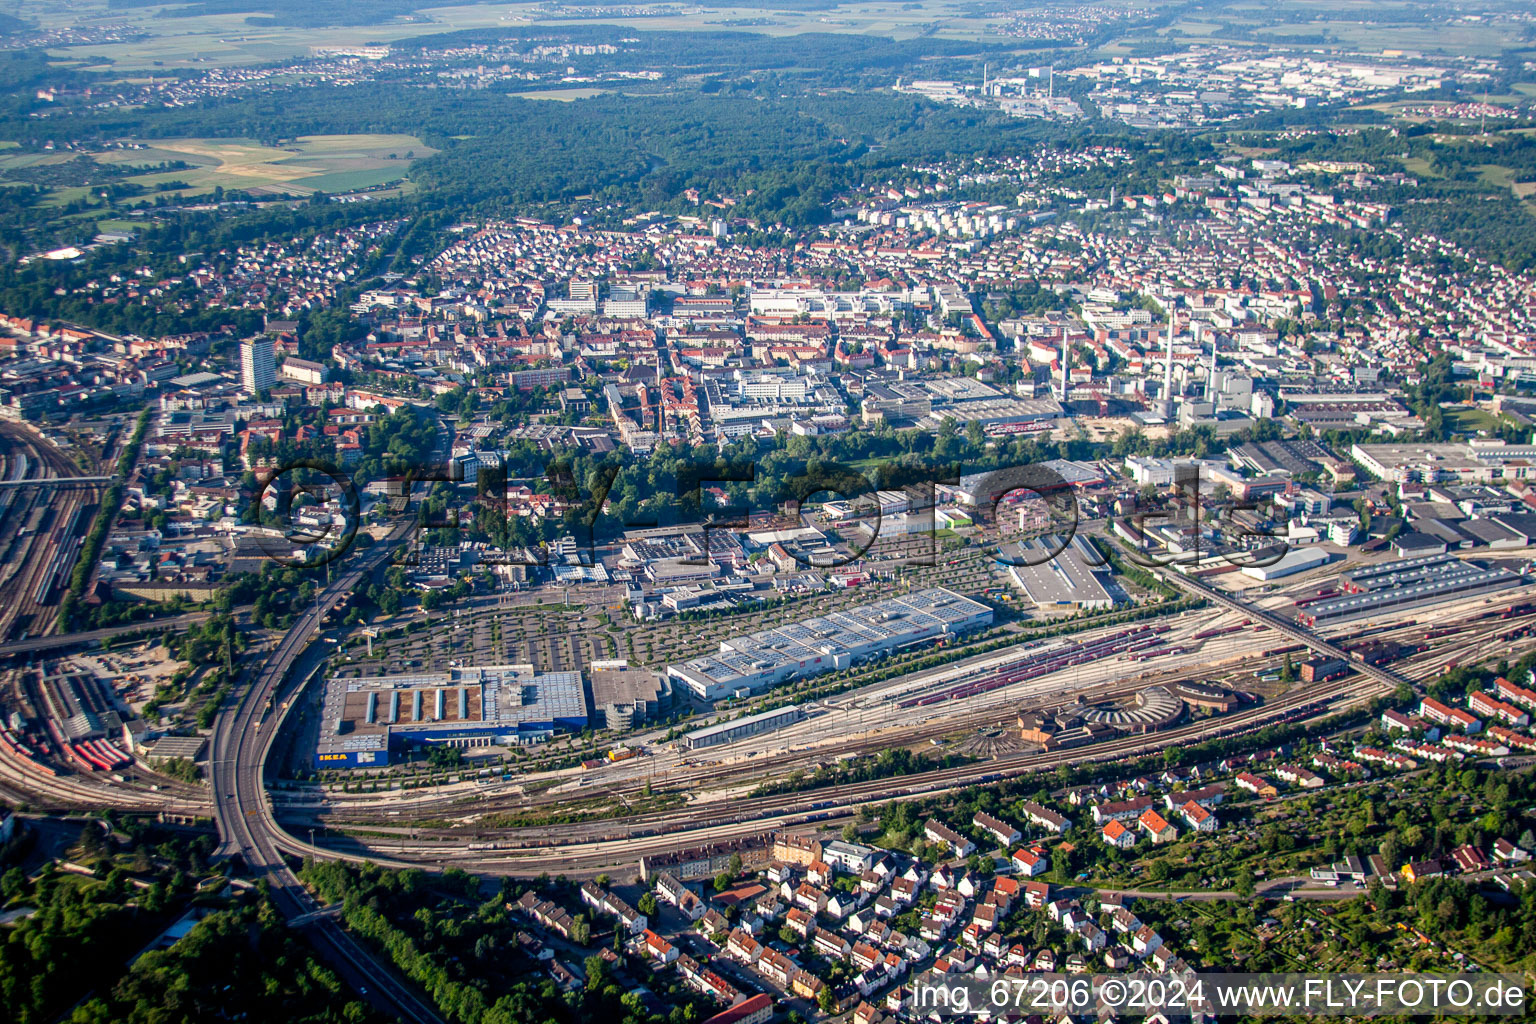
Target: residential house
{"points": [[1299, 776], [854, 858], [670, 890], [999, 829], [776, 967], [840, 905], [1198, 818], [938, 832], [1036, 894], [1470, 858], [1456, 718], [1156, 826], [658, 948], [1144, 940], [743, 947], [757, 1009], [810, 897], [1045, 817], [1257, 785], [712, 923], [806, 985], [865, 956], [830, 944], [1030, 863], [1120, 810], [1508, 852], [1115, 834]]}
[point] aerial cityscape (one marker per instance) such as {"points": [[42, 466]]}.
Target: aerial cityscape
{"points": [[823, 510]]}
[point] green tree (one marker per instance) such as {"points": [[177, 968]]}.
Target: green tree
{"points": [[826, 1000]]}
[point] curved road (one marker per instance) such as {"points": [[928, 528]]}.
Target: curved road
{"points": [[237, 762], [246, 820]]}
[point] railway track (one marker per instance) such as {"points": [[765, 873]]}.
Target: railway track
{"points": [[594, 844], [66, 792], [563, 846], [1476, 633], [40, 550]]}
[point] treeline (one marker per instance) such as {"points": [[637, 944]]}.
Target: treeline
{"points": [[106, 515], [837, 59], [1454, 201], [791, 147], [83, 929], [238, 964], [461, 949]]}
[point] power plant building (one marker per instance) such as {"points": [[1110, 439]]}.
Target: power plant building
{"points": [[751, 664]]}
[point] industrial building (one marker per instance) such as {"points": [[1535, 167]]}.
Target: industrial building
{"points": [[1392, 586], [364, 717], [1293, 561], [1067, 579], [982, 490], [751, 664], [624, 697], [741, 728], [1484, 460], [1151, 709]]}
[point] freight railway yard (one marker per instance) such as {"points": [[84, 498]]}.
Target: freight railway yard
{"points": [[1017, 707], [61, 745], [595, 846], [42, 528], [1107, 670]]}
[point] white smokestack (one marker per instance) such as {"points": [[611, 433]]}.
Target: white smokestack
{"points": [[1066, 365]]}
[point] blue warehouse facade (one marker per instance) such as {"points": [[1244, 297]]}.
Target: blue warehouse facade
{"points": [[366, 718]]}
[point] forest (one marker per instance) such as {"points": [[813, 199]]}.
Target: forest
{"points": [[73, 956], [460, 947]]}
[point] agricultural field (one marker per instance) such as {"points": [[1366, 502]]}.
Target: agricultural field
{"points": [[235, 39], [307, 164]]}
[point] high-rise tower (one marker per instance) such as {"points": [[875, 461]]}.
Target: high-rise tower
{"points": [[258, 364]]}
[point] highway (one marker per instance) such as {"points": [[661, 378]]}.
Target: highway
{"points": [[237, 762]]}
